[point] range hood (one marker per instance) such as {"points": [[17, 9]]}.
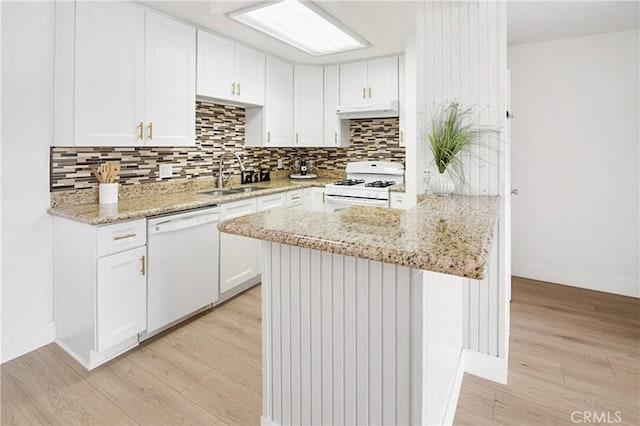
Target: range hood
{"points": [[372, 110]]}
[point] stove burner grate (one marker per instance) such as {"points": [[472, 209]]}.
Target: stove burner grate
{"points": [[349, 182], [380, 184]]}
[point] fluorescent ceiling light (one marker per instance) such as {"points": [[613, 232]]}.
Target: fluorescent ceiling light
{"points": [[304, 26]]}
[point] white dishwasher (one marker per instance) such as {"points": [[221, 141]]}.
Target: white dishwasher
{"points": [[182, 266]]}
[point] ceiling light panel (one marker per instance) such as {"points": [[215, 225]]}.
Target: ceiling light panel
{"points": [[301, 26]]}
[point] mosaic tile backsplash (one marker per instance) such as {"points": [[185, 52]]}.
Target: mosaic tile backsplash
{"points": [[219, 128]]}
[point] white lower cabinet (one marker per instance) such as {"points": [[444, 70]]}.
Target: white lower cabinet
{"points": [[100, 288], [315, 199], [398, 201], [238, 255], [268, 202], [121, 297], [295, 200]]}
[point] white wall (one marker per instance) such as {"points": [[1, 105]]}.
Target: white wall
{"points": [[575, 161], [27, 118]]}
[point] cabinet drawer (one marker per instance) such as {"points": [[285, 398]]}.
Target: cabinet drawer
{"points": [[294, 198], [271, 201], [121, 236], [398, 201], [238, 208]]}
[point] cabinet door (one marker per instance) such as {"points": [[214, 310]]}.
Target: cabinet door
{"points": [[215, 67], [317, 199], [383, 79], [353, 83], [308, 105], [109, 74], [170, 83], [238, 255], [336, 131], [121, 297], [278, 107], [249, 76]]}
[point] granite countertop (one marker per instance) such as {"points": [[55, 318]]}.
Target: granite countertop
{"points": [[397, 188], [452, 235], [152, 205]]}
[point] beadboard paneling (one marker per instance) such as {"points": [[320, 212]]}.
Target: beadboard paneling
{"points": [[461, 50], [343, 339]]}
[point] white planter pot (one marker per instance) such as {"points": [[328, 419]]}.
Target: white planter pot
{"points": [[441, 184]]}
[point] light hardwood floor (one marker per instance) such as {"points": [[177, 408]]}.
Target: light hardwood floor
{"points": [[571, 350]]}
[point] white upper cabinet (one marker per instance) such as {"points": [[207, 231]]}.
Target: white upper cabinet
{"points": [[382, 77], [370, 81], [278, 109], [308, 105], [216, 67], [125, 77], [229, 72], [109, 75], [353, 83], [336, 131], [250, 75], [170, 83]]}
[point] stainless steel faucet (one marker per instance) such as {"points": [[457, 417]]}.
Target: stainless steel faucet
{"points": [[221, 179]]}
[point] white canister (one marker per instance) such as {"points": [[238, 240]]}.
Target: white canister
{"points": [[108, 193]]}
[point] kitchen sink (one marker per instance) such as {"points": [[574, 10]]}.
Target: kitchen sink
{"points": [[246, 189], [218, 192]]}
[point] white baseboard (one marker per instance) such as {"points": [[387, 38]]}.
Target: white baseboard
{"points": [[486, 366], [454, 393], [27, 341], [573, 278], [267, 422]]}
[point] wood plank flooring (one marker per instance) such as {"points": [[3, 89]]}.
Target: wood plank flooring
{"points": [[571, 350]]}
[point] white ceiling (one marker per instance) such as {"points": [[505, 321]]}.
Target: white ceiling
{"points": [[384, 24], [387, 24], [532, 21]]}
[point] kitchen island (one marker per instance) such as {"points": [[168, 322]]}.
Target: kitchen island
{"points": [[362, 309]]}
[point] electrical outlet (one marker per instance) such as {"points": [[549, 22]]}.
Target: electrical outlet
{"points": [[426, 175], [280, 163], [166, 170]]}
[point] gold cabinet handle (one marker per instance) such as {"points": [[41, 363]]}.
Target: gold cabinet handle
{"points": [[296, 137], [238, 86], [269, 136], [323, 198], [297, 197], [124, 236], [369, 91], [233, 88], [364, 93], [143, 266], [335, 137], [150, 131], [401, 136], [141, 130]]}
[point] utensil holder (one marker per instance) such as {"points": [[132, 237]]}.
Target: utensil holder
{"points": [[108, 193]]}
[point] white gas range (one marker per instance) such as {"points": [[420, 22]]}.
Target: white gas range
{"points": [[367, 184]]}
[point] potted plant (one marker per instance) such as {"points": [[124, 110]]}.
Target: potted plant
{"points": [[452, 130]]}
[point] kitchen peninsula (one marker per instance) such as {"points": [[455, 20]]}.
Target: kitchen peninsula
{"points": [[362, 308]]}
